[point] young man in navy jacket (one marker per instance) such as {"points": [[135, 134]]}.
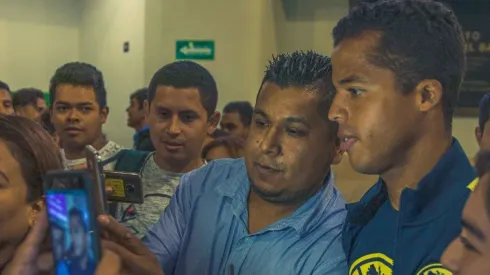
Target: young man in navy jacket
{"points": [[397, 68]]}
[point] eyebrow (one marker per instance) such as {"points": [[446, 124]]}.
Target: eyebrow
{"points": [[291, 119], [260, 112], [68, 103], [352, 79], [474, 230]]}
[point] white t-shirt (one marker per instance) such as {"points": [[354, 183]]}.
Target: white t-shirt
{"points": [[106, 152]]}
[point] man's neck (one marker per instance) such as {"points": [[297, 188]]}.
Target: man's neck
{"points": [[177, 167], [79, 152], [418, 162]]}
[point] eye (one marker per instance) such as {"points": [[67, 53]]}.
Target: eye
{"points": [[467, 245], [260, 123], [188, 117], [295, 132], [61, 108], [355, 91]]}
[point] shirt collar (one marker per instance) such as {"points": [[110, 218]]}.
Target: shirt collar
{"points": [[302, 220]]}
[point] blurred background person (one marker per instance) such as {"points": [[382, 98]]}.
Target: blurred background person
{"points": [[236, 118], [49, 127], [5, 99], [137, 121], [29, 103], [224, 147], [27, 152]]}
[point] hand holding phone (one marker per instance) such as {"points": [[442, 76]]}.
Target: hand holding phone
{"points": [[125, 187]]}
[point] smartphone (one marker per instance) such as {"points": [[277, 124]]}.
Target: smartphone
{"points": [[72, 218], [126, 187], [94, 165]]}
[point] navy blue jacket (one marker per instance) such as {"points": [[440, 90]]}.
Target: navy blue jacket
{"points": [[428, 220]]}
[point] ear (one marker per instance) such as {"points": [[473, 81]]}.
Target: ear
{"points": [[104, 113], [428, 94], [146, 107], [213, 122], [337, 158], [478, 135], [33, 210]]}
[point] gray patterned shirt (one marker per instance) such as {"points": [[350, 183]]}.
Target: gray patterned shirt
{"points": [[158, 187]]}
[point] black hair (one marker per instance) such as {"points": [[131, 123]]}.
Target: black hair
{"points": [[484, 112], [26, 96], [79, 74], [483, 167], [418, 39], [140, 95], [308, 70], [4, 86], [75, 212], [244, 110], [187, 74], [218, 133]]}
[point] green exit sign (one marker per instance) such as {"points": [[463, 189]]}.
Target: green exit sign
{"points": [[194, 49]]}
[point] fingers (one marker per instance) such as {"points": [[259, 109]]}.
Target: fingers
{"points": [[110, 264], [120, 234]]}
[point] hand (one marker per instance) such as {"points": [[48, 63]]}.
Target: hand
{"points": [[136, 258], [27, 254]]}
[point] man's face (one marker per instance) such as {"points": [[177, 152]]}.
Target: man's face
{"points": [[469, 253], [76, 116], [377, 121], [178, 123], [78, 236], [290, 146], [6, 107], [483, 136], [33, 112], [136, 114], [231, 123]]}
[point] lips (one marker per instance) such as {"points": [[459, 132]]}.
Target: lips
{"points": [[73, 130], [173, 145], [266, 169]]}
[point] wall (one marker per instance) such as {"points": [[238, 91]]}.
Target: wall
{"points": [[36, 38], [104, 27], [242, 31]]}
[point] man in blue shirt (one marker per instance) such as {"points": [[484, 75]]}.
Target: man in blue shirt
{"points": [[398, 66], [277, 210]]}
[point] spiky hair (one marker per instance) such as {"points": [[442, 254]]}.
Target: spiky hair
{"points": [[300, 69]]}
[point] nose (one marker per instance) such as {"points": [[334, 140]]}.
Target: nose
{"points": [[451, 258], [338, 110], [270, 143], [73, 115], [174, 128]]}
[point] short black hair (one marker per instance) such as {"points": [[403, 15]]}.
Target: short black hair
{"points": [[140, 95], [244, 110], [419, 39], [483, 167], [187, 74], [484, 112], [79, 74], [26, 96], [308, 70], [4, 86], [75, 212]]}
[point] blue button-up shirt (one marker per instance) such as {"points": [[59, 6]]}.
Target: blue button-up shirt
{"points": [[204, 230]]}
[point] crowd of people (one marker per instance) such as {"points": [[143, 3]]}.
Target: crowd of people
{"points": [[257, 195]]}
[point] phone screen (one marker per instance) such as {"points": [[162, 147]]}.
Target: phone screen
{"points": [[74, 240]]}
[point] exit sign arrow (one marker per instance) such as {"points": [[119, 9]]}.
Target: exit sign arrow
{"points": [[194, 49]]}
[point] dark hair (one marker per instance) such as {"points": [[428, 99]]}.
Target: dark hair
{"points": [[33, 148], [140, 95], [187, 74], [219, 133], [308, 70], [419, 39], [26, 96], [46, 122], [484, 112], [483, 167], [4, 86], [244, 110], [75, 212], [233, 144], [79, 74]]}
